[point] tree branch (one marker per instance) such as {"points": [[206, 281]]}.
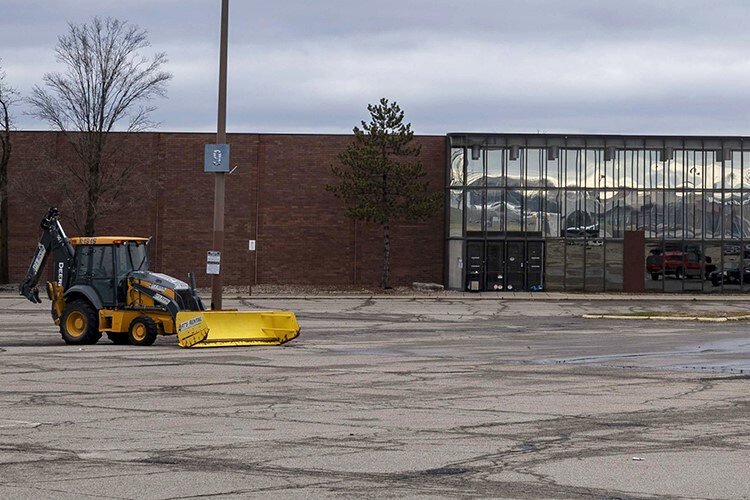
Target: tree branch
{"points": [[106, 84]]}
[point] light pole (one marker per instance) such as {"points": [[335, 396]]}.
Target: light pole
{"points": [[221, 138]]}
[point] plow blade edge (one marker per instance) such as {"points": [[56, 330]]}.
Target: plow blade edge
{"points": [[235, 328]]}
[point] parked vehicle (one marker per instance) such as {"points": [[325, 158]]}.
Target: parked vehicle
{"points": [[582, 231], [730, 274], [679, 264]]}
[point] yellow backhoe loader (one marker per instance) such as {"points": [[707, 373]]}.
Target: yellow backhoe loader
{"points": [[103, 285]]}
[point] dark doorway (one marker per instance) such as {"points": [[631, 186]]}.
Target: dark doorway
{"points": [[534, 265], [504, 266], [475, 266], [495, 272]]}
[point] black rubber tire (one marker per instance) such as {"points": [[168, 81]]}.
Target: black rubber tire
{"points": [[145, 336], [118, 338], [655, 276], [678, 273], [89, 331]]}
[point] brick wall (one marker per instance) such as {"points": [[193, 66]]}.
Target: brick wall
{"points": [[276, 196]]}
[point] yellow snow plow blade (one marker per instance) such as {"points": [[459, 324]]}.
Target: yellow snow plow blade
{"points": [[235, 328]]}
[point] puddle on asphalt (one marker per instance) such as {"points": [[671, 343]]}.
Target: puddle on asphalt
{"points": [[733, 357]]}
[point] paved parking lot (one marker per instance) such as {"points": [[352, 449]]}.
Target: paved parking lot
{"points": [[384, 397]]}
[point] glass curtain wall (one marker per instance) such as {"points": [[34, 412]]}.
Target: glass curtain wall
{"points": [[579, 197]]}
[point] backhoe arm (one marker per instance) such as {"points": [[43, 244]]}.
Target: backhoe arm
{"points": [[53, 241]]}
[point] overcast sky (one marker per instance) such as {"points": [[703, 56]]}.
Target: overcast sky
{"points": [[595, 66]]}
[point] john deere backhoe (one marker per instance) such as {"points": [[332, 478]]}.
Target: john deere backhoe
{"points": [[103, 285]]}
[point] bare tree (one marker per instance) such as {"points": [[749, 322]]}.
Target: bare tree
{"points": [[8, 97], [107, 84]]}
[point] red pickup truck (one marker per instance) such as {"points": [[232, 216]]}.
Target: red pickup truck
{"points": [[679, 264]]}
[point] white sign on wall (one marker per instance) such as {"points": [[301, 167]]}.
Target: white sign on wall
{"points": [[216, 158], [213, 262]]}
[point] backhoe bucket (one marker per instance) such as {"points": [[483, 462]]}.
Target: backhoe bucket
{"points": [[235, 328]]}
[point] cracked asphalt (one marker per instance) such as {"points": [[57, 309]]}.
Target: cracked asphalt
{"points": [[387, 397]]}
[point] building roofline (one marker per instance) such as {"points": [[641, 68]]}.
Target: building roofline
{"points": [[623, 141], [167, 132]]}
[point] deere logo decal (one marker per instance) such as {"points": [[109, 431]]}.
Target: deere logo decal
{"points": [[41, 251]]}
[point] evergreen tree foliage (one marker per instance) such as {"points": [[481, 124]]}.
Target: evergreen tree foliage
{"points": [[381, 179]]}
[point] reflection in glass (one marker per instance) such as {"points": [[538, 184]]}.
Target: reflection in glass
{"points": [[654, 170], [615, 214], [745, 161], [693, 169], [457, 166], [594, 163], [534, 167], [745, 216], [474, 202], [714, 258], [495, 219], [733, 271], [475, 170], [513, 170], [495, 168], [654, 266], [580, 210], [552, 173], [456, 212], [572, 166], [693, 206], [514, 203], [533, 220], [552, 210], [733, 171], [713, 170]]}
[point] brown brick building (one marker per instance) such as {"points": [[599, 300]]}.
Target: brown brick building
{"points": [[523, 212], [276, 196]]}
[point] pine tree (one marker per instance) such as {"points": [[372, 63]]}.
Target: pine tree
{"points": [[381, 179]]}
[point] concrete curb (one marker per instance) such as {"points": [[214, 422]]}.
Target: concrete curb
{"points": [[668, 318], [530, 296], [545, 296]]}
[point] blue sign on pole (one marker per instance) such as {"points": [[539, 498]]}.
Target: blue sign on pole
{"points": [[216, 158]]}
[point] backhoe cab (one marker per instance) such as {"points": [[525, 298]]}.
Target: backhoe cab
{"points": [[103, 285]]}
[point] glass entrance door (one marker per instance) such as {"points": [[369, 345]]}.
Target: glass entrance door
{"points": [[495, 266], [515, 264], [512, 266]]}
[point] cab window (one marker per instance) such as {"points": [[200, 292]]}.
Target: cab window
{"points": [[131, 257], [82, 259], [102, 264]]}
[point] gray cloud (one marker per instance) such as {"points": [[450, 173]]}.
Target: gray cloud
{"points": [[521, 66]]}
